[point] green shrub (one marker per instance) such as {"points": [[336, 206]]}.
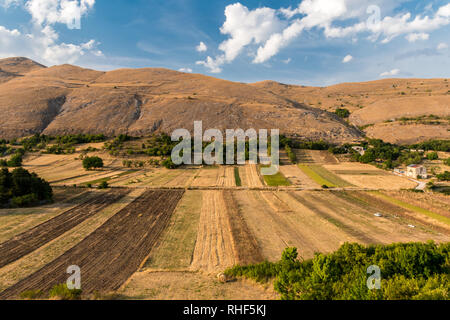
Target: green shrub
{"points": [[433, 156], [32, 295], [103, 185], [408, 271], [342, 113], [62, 292], [15, 161], [444, 176], [90, 163]]}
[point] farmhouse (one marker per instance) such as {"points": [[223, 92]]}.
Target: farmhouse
{"points": [[416, 171], [359, 149]]}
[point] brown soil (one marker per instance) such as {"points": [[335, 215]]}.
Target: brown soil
{"points": [[112, 253], [36, 237], [245, 245]]}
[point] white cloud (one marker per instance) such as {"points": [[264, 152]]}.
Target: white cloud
{"points": [[287, 61], [201, 47], [187, 70], [442, 46], [347, 59], [244, 27], [413, 37], [9, 3], [48, 12], [42, 42], [214, 65], [266, 31], [393, 72]]}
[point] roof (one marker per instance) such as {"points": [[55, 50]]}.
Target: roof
{"points": [[415, 166]]}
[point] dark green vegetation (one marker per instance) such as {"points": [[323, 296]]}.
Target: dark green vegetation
{"points": [[432, 156], [444, 176], [20, 188], [90, 163], [342, 113], [387, 156], [237, 177], [447, 162], [58, 292], [408, 271], [291, 155]]}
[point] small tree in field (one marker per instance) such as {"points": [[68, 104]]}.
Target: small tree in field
{"points": [[90, 163]]}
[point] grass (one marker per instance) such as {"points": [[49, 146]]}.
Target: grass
{"points": [[413, 208], [323, 177], [276, 180], [178, 241], [237, 177]]}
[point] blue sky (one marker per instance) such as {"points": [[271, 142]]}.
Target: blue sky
{"points": [[309, 42]]}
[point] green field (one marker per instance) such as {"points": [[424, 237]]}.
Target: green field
{"points": [[277, 180], [324, 177]]}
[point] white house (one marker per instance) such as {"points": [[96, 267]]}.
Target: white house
{"points": [[416, 171], [359, 149]]}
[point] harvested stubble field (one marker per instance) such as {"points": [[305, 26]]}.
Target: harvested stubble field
{"points": [[64, 169], [184, 285], [34, 238], [367, 176], [298, 178], [113, 252], [223, 238], [250, 176], [323, 177], [29, 264], [16, 221], [208, 176], [320, 221]]}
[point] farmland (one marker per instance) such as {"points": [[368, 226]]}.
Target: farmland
{"points": [[159, 233]]}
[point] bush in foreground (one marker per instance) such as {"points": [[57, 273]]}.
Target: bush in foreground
{"points": [[408, 271]]}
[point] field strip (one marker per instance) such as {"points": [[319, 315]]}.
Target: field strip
{"points": [[370, 200], [16, 221], [177, 244], [113, 252], [273, 230], [207, 177], [297, 177], [243, 176], [386, 229], [184, 179], [34, 238], [245, 245], [253, 177], [328, 213], [22, 268], [323, 177], [214, 246], [413, 208]]}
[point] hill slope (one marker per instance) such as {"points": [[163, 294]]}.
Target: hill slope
{"points": [[390, 109], [68, 99]]}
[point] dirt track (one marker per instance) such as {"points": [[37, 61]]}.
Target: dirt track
{"points": [[34, 238], [112, 253]]}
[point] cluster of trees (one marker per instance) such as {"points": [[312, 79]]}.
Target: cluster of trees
{"points": [[432, 145], [444, 176], [408, 271], [90, 163], [21, 188], [14, 162]]}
